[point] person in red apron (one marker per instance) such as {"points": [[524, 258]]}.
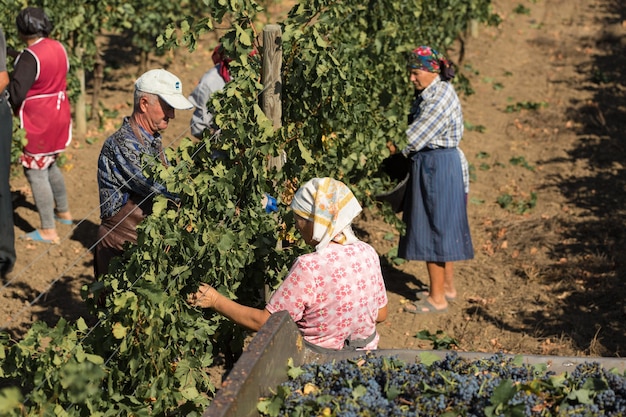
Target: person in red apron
{"points": [[37, 93]]}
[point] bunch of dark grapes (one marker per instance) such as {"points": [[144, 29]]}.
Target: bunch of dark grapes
{"points": [[386, 386]]}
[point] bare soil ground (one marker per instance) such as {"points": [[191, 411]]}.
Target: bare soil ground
{"points": [[545, 140]]}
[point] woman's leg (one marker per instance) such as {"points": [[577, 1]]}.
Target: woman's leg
{"points": [[435, 300], [448, 282], [44, 200], [59, 192], [437, 277]]}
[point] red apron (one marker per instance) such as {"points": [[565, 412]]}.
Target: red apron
{"points": [[45, 113]]}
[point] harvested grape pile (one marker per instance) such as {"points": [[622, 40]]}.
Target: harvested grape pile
{"points": [[497, 386]]}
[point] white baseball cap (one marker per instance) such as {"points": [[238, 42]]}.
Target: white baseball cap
{"points": [[165, 85]]}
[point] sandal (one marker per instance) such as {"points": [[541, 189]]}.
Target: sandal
{"points": [[63, 221], [35, 236], [422, 306], [420, 295]]}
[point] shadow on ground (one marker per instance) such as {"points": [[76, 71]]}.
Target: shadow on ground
{"points": [[592, 280]]}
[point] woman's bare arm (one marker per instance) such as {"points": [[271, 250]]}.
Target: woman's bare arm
{"points": [[248, 317]]}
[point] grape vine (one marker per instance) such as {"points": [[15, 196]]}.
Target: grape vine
{"points": [[345, 94]]}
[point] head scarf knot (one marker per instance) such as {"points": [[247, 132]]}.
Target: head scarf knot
{"points": [[428, 59], [331, 206]]}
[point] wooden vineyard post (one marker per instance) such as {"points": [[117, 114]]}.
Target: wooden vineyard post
{"points": [[271, 97], [98, 77], [80, 112], [270, 77], [473, 28]]}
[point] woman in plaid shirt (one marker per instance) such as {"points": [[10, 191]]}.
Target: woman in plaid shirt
{"points": [[435, 209]]}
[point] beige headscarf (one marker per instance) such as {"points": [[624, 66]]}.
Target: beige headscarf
{"points": [[331, 206]]}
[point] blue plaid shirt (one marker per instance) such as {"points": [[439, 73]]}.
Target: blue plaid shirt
{"points": [[120, 169], [436, 121]]}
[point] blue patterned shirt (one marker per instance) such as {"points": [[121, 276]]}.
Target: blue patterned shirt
{"points": [[436, 121], [120, 168]]}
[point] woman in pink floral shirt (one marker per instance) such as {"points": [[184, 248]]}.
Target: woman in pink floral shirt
{"points": [[336, 295]]}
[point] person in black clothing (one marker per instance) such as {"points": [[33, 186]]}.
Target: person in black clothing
{"points": [[7, 242]]}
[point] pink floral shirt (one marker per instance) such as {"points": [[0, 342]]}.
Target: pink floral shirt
{"points": [[334, 294]]}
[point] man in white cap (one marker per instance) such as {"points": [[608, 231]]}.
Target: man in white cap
{"points": [[125, 193]]}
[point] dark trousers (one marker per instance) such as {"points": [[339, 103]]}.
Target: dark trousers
{"points": [[7, 235]]}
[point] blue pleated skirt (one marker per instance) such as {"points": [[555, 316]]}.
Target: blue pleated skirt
{"points": [[435, 209]]}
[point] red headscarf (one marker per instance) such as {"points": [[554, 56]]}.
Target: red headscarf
{"points": [[428, 59], [221, 60]]}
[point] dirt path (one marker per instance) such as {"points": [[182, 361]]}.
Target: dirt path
{"points": [[549, 280], [545, 132]]}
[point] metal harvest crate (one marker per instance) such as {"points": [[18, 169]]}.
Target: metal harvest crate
{"points": [[263, 365]]}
